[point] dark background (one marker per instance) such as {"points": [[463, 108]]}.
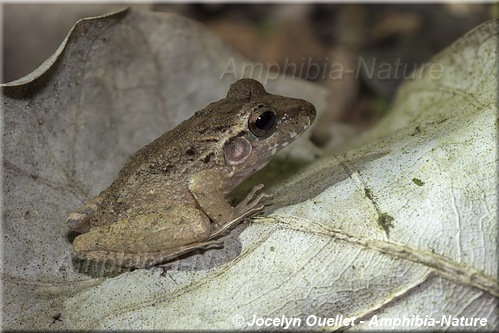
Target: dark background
{"points": [[280, 34]]}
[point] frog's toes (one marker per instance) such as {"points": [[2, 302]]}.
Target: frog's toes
{"points": [[79, 222], [252, 203]]}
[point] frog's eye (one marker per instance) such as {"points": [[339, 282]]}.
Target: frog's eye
{"points": [[262, 122]]}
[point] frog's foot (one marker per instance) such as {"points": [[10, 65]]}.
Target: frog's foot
{"points": [[252, 203], [79, 220], [147, 259], [163, 256], [247, 207]]}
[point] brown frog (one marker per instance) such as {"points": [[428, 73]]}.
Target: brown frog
{"points": [[169, 198]]}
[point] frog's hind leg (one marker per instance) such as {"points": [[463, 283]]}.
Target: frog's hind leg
{"points": [[147, 259], [163, 256], [145, 236], [79, 220]]}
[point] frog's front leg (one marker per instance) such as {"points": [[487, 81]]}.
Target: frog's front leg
{"points": [[250, 205], [146, 236], [206, 188]]}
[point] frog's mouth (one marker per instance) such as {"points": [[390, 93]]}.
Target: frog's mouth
{"points": [[262, 165]]}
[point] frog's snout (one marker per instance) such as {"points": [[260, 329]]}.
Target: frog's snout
{"points": [[308, 110]]}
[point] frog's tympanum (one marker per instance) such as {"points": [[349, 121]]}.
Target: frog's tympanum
{"points": [[169, 198]]}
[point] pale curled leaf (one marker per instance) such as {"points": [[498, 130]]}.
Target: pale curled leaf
{"points": [[117, 82]]}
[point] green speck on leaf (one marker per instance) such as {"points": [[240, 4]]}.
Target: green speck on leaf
{"points": [[417, 130], [418, 182], [385, 221]]}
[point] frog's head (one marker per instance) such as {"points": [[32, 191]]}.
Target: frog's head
{"points": [[268, 123]]}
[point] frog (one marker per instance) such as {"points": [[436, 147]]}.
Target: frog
{"points": [[170, 197]]}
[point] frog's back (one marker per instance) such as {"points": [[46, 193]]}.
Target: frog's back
{"points": [[160, 171]]}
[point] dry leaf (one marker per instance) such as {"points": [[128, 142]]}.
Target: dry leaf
{"points": [[115, 84]]}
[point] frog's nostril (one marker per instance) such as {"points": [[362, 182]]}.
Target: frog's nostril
{"points": [[313, 114], [310, 111]]}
